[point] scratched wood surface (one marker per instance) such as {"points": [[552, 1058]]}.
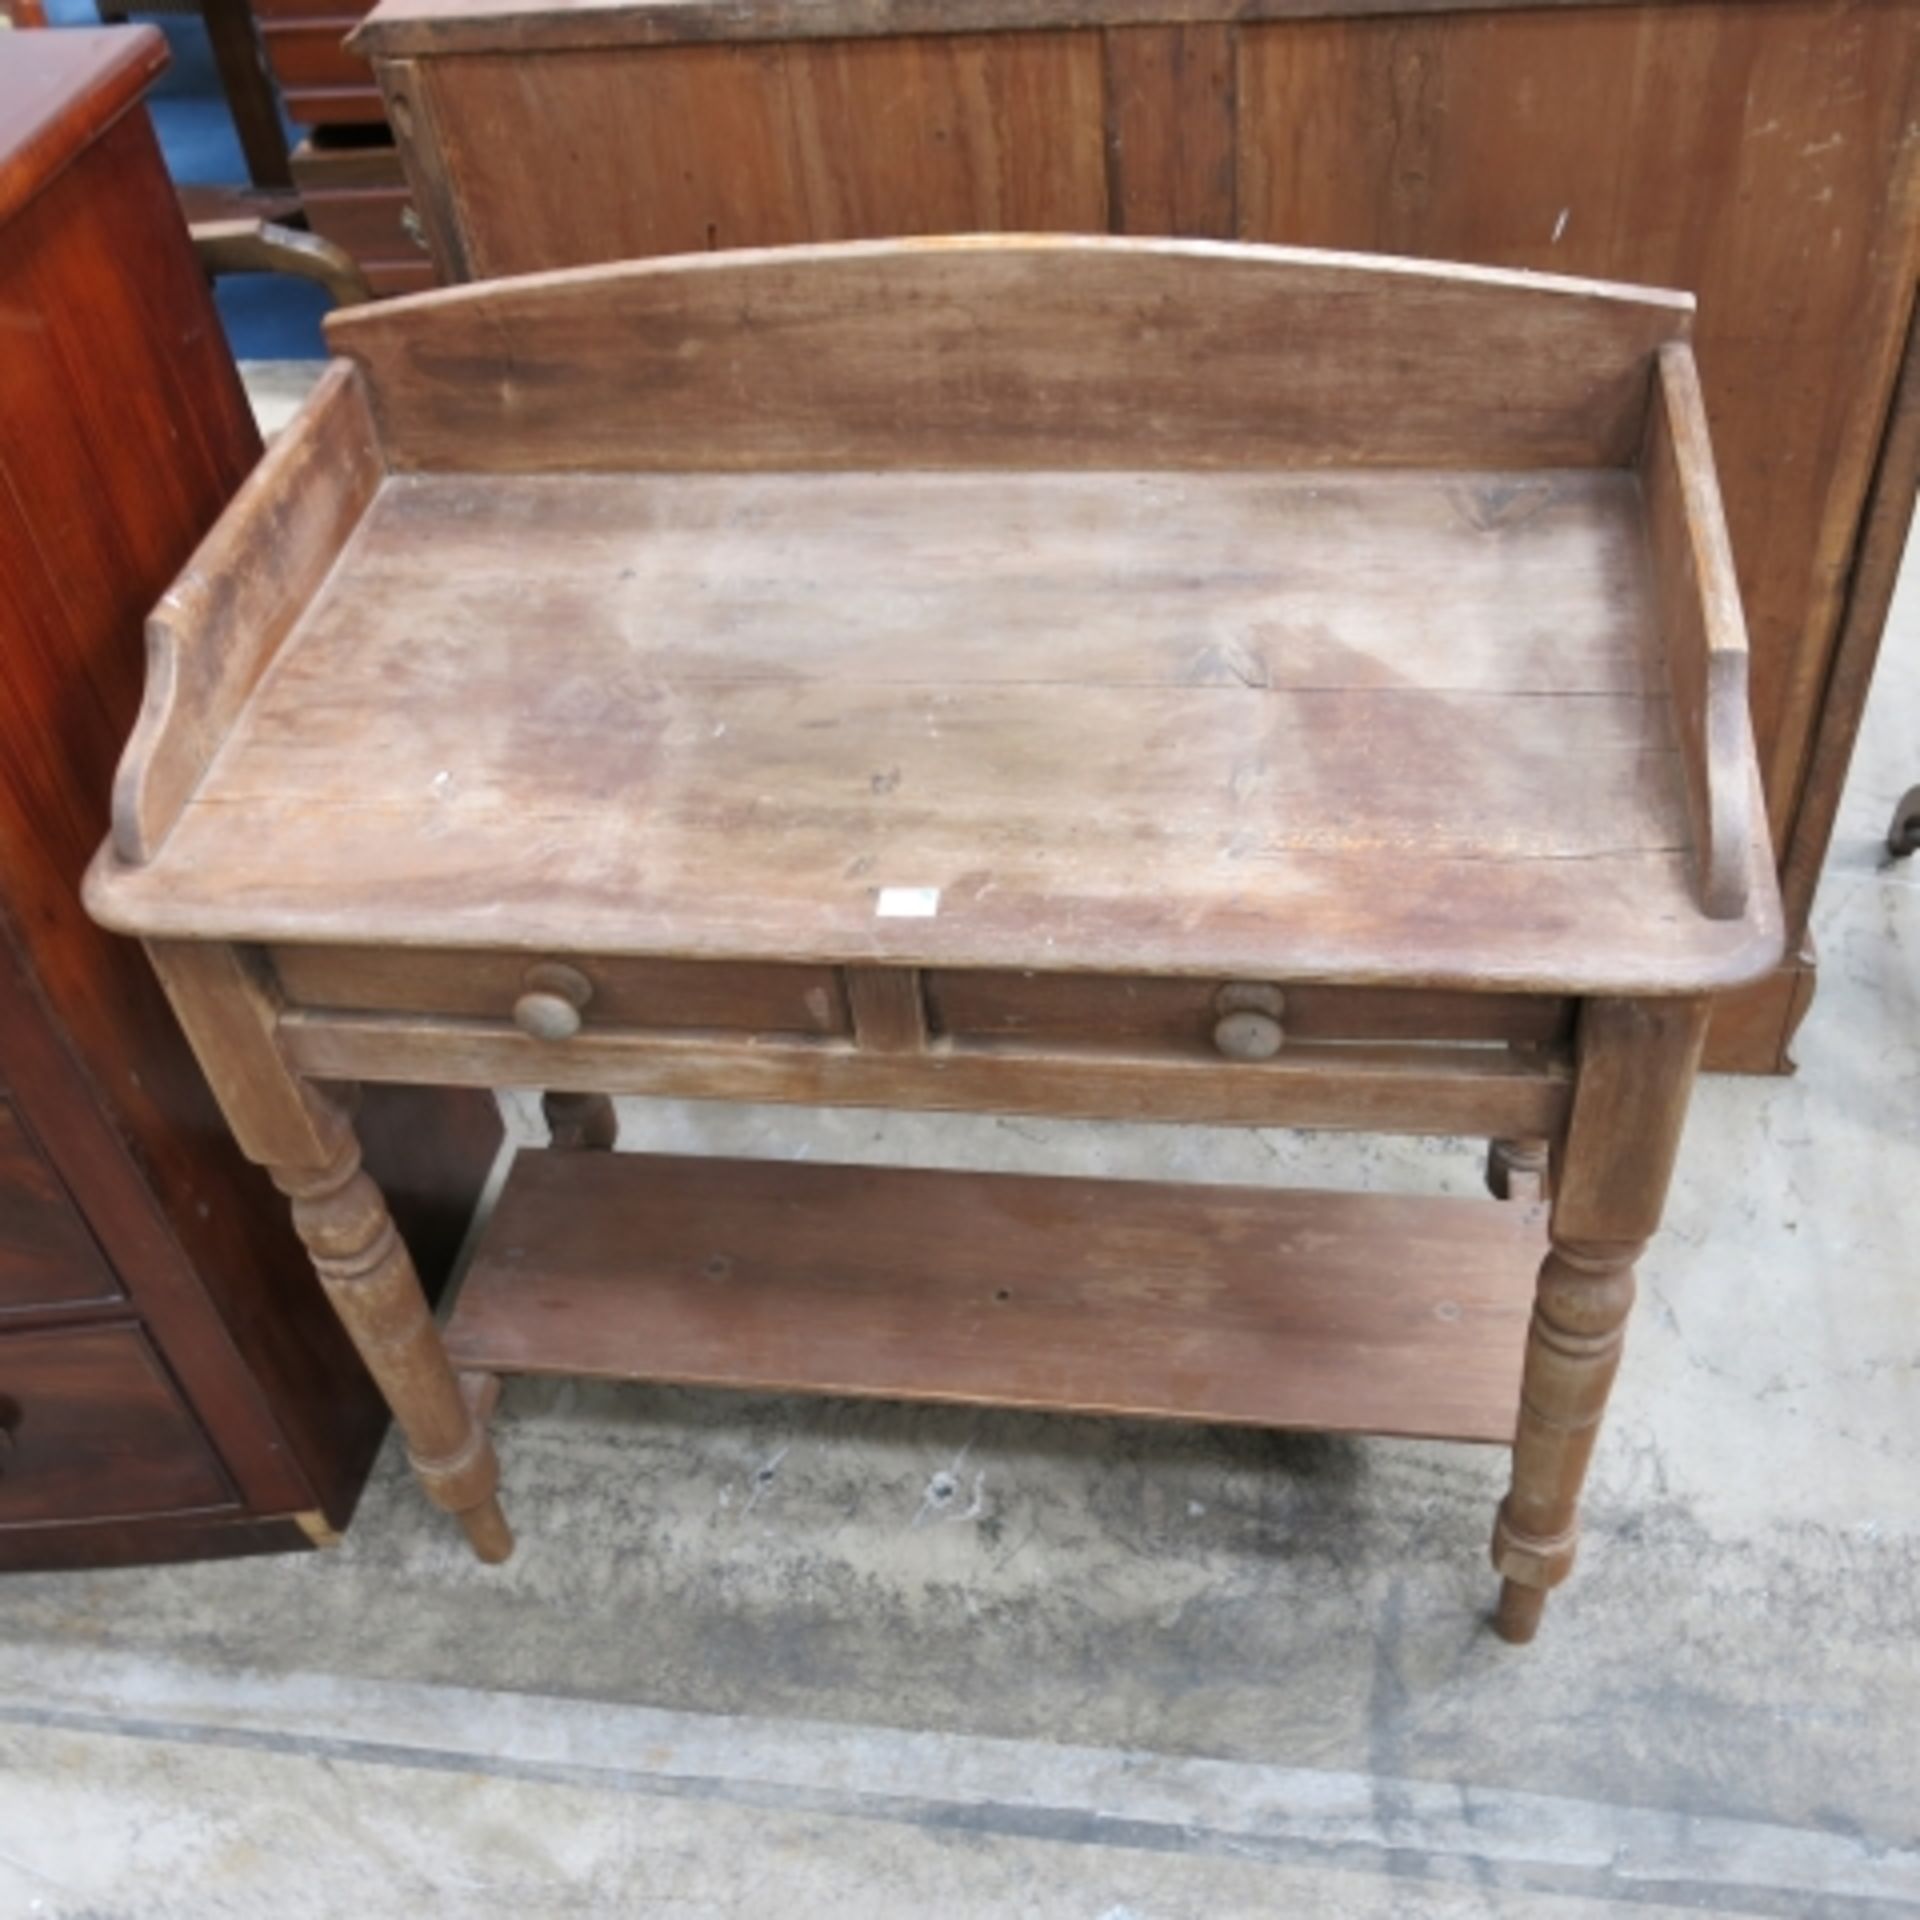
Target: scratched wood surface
{"points": [[1343, 1313], [1009, 351], [1174, 722]]}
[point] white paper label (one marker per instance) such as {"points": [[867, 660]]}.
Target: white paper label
{"points": [[907, 903]]}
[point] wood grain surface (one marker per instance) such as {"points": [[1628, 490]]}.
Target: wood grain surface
{"points": [[781, 697], [1342, 1313], [997, 351]]}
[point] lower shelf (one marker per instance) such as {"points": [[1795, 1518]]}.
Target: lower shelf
{"points": [[1338, 1312]]}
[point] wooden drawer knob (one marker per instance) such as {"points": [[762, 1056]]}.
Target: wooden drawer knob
{"points": [[552, 1001], [1248, 1027]]}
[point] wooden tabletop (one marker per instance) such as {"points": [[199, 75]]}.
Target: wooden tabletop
{"points": [[1080, 605], [1377, 726]]}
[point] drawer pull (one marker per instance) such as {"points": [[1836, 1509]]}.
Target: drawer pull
{"points": [[1249, 1024], [554, 998]]}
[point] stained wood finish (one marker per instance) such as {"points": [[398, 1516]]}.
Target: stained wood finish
{"points": [[216, 631], [1426, 1089], [586, 773], [123, 433], [59, 95], [47, 1256], [354, 193], [468, 26], [1636, 1069], [990, 352], [1764, 153], [641, 995], [1699, 613], [1337, 1312], [1114, 1012], [91, 1428], [1342, 837]]}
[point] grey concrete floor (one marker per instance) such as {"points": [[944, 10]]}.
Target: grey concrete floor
{"points": [[761, 1656]]}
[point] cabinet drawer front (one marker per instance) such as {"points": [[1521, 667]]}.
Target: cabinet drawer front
{"points": [[47, 1256], [91, 1428], [664, 996], [1125, 1014]]}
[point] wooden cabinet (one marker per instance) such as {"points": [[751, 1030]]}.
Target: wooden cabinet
{"points": [[1763, 154], [171, 1382]]}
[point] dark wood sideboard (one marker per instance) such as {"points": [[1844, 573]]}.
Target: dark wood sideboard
{"points": [[172, 1383], [1763, 154]]}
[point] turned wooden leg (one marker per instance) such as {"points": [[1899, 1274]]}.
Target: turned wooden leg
{"points": [[1573, 1351], [228, 1002], [581, 1122], [1517, 1169], [1635, 1068], [368, 1274]]}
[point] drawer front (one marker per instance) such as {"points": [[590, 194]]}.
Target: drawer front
{"points": [[91, 1428], [311, 53], [355, 197], [633, 996], [1144, 1015], [47, 1256], [343, 160]]}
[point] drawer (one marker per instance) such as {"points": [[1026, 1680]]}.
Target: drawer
{"points": [[355, 195], [311, 53], [91, 1428], [664, 996], [47, 1255], [1127, 1014]]}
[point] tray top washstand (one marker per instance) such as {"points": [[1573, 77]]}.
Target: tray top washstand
{"points": [[1115, 679]]}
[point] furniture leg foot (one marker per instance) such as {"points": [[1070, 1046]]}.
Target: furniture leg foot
{"points": [[580, 1122], [487, 1532], [369, 1277], [1517, 1618], [1573, 1351], [1517, 1169]]}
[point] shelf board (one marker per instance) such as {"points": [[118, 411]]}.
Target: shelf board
{"points": [[1336, 1312]]}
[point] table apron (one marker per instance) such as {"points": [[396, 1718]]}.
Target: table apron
{"points": [[1479, 1092]]}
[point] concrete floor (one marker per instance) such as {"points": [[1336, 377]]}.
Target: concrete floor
{"points": [[758, 1656]]}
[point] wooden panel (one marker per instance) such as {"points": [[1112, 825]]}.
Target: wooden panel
{"points": [[202, 1535], [94, 1428], [1103, 1010], [347, 160], [334, 106], [311, 53], [400, 276], [1169, 125], [747, 147], [355, 194], [47, 1257], [1340, 1313], [54, 104], [1328, 771], [1753, 1028], [660, 995], [1876, 573], [1698, 608], [1477, 1092], [215, 632], [889, 1009], [123, 432], [995, 351], [1765, 156]]}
